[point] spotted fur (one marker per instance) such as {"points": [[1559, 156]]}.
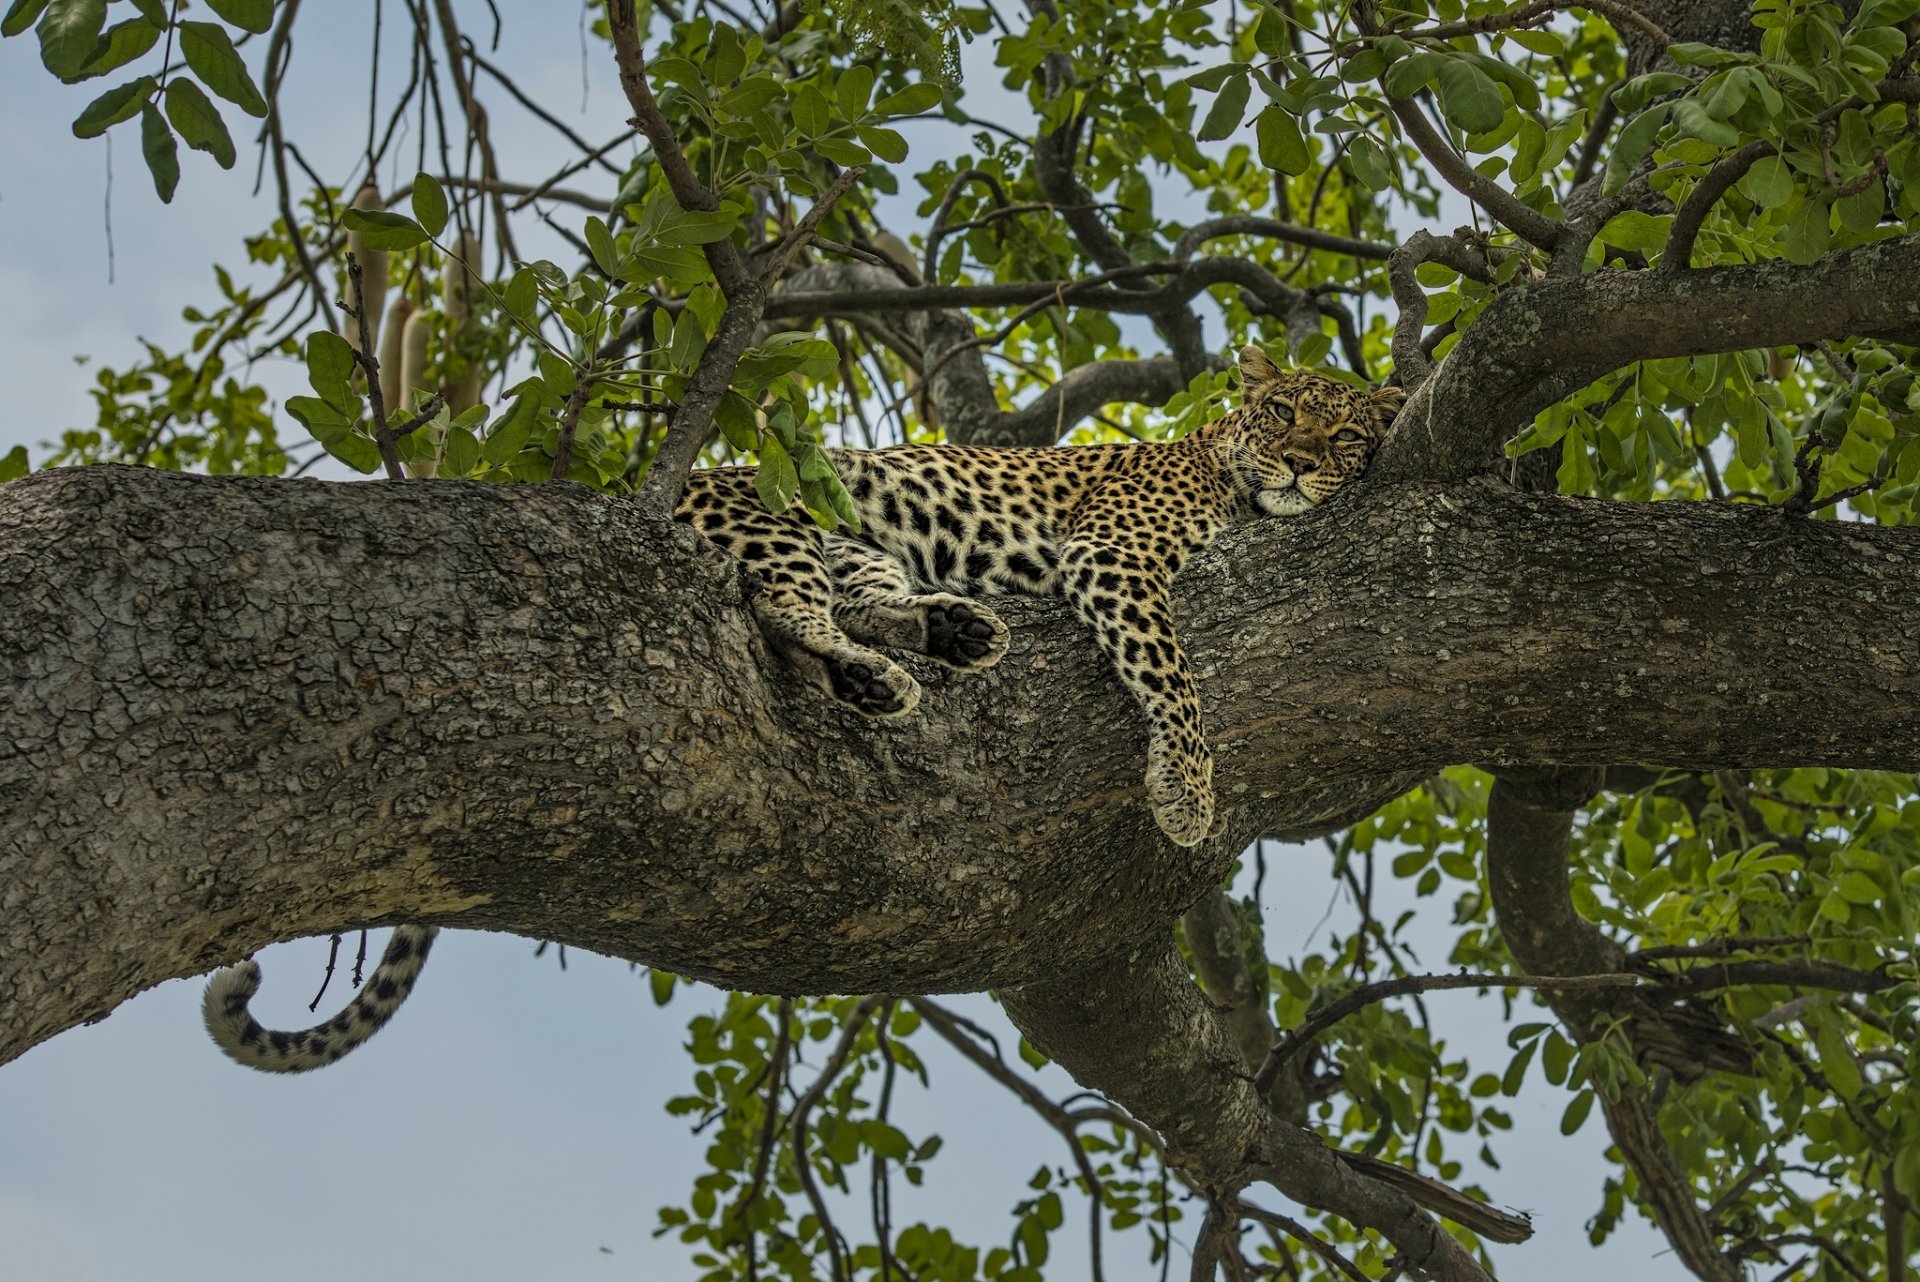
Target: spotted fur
{"points": [[1106, 526], [234, 1029]]}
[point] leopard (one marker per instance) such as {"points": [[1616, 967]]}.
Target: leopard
{"points": [[1107, 527]]}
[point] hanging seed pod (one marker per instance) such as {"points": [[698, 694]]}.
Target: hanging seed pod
{"points": [[391, 358], [373, 277], [413, 377], [458, 287]]}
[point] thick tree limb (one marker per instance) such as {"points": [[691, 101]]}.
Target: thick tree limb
{"points": [[1544, 340], [1529, 819], [240, 711], [1178, 1070]]}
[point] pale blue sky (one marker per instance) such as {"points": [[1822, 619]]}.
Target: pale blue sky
{"points": [[509, 1124]]}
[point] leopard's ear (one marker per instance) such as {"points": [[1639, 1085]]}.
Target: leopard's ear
{"points": [[1386, 403], [1257, 371]]}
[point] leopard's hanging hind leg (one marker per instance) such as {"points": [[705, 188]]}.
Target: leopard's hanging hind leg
{"points": [[793, 593], [874, 600]]}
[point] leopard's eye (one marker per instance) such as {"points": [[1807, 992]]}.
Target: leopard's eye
{"points": [[1282, 410], [1346, 434]]}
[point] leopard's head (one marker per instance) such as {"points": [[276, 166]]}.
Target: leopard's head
{"points": [[1299, 437]]}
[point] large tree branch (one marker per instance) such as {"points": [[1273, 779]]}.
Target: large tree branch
{"points": [[1177, 1069], [240, 711], [1544, 340], [1529, 819]]}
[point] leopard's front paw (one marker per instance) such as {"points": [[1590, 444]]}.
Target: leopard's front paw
{"points": [[964, 635], [884, 690], [1187, 819], [1180, 789]]}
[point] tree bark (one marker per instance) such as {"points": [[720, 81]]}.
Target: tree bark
{"points": [[240, 711]]}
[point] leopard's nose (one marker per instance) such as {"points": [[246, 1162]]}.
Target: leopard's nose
{"points": [[1301, 463]]}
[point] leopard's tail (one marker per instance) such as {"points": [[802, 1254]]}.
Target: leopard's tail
{"points": [[242, 1038]]}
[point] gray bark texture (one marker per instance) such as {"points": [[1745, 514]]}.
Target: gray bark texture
{"points": [[240, 711]]}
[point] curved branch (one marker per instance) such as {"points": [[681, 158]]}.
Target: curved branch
{"points": [[1273, 228], [1529, 819], [1175, 1066], [1546, 339]]}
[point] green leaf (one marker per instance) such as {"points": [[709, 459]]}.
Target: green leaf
{"points": [[69, 30], [750, 96], [460, 453], [810, 110], [1228, 107], [382, 228], [697, 227], [1769, 184], [14, 465], [910, 101], [154, 11], [1836, 1059], [1857, 887], [1633, 144], [600, 243], [1282, 147], [213, 58], [20, 16], [198, 122], [1860, 212], [329, 361], [522, 295], [1548, 44], [123, 42], [557, 372], [1641, 90], [122, 102], [161, 152], [1469, 97], [775, 481], [884, 143], [509, 434], [429, 203], [842, 152], [1576, 1114], [1690, 117], [1884, 13], [1808, 233], [356, 451], [851, 91], [248, 15], [323, 420], [1410, 75]]}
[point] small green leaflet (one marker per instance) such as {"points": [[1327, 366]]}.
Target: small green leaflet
{"points": [[1631, 147], [910, 101], [14, 465], [383, 229], [1769, 184], [218, 64], [20, 16], [1228, 107], [69, 30], [429, 203], [123, 42], [776, 480], [161, 152], [1282, 146], [248, 15], [1469, 97], [851, 90], [198, 121], [122, 102]]}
